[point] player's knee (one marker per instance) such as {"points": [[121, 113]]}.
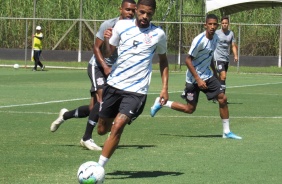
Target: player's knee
{"points": [[222, 99], [189, 109], [102, 127], [102, 130]]}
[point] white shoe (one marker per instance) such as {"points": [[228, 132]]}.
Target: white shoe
{"points": [[90, 144], [56, 124]]}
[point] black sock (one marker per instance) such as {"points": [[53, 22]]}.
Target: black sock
{"points": [[80, 112], [91, 123]]}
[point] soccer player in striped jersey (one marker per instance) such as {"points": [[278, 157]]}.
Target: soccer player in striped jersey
{"points": [[201, 76], [98, 69], [125, 96]]}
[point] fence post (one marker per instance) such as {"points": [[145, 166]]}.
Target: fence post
{"points": [[239, 42], [26, 35], [280, 42]]}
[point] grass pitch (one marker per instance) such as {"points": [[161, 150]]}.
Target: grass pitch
{"points": [[172, 147]]}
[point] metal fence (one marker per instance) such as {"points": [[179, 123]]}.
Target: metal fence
{"points": [[79, 34]]}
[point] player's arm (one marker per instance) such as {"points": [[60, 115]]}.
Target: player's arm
{"points": [[213, 68], [40, 36], [99, 56], [164, 74], [191, 68], [235, 51], [109, 49]]}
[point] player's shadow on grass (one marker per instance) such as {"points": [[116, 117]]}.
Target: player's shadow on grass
{"points": [[140, 174], [135, 146], [196, 136], [119, 147]]}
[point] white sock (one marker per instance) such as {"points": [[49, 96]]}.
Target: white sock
{"points": [[168, 104], [225, 123], [103, 160]]}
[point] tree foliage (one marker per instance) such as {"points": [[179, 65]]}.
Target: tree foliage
{"points": [[254, 39]]}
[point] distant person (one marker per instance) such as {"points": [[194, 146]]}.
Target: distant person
{"points": [[221, 54], [199, 77], [99, 68], [125, 96], [37, 48]]}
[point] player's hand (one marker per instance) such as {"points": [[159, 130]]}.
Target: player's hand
{"points": [[107, 71], [235, 59], [202, 84], [163, 97], [108, 33]]}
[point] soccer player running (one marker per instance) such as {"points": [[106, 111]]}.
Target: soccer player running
{"points": [[98, 68], [199, 77], [125, 96], [221, 55]]}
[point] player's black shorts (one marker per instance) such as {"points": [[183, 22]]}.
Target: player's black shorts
{"points": [[97, 77], [118, 101], [192, 91], [221, 66]]}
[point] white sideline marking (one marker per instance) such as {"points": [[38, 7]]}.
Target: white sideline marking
{"points": [[77, 99], [40, 103]]}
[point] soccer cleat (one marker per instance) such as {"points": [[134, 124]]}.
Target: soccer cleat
{"points": [[156, 107], [231, 135], [43, 67], [90, 144], [56, 124]]}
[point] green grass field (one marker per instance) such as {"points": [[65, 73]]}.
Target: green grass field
{"points": [[172, 147]]}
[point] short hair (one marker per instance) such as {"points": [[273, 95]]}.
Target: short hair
{"points": [[211, 16], [128, 1], [151, 3], [224, 18]]}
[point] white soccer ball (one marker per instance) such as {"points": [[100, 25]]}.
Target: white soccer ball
{"points": [[91, 173], [16, 66]]}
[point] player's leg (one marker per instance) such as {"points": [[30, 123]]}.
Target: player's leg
{"points": [[36, 59], [87, 140], [64, 114], [129, 107], [98, 81], [39, 62], [222, 71], [215, 90], [112, 141], [190, 94]]}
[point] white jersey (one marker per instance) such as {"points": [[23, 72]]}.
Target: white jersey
{"points": [[202, 50], [136, 48], [100, 34]]}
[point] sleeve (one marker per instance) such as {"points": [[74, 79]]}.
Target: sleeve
{"points": [[103, 27], [233, 37], [114, 40], [194, 49], [162, 44]]}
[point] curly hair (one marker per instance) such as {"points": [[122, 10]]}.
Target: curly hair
{"points": [[151, 3]]}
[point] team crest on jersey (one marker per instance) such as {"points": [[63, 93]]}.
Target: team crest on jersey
{"points": [[147, 39], [190, 96], [100, 81]]}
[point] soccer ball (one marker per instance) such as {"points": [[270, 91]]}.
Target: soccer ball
{"points": [[16, 66], [91, 173]]}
